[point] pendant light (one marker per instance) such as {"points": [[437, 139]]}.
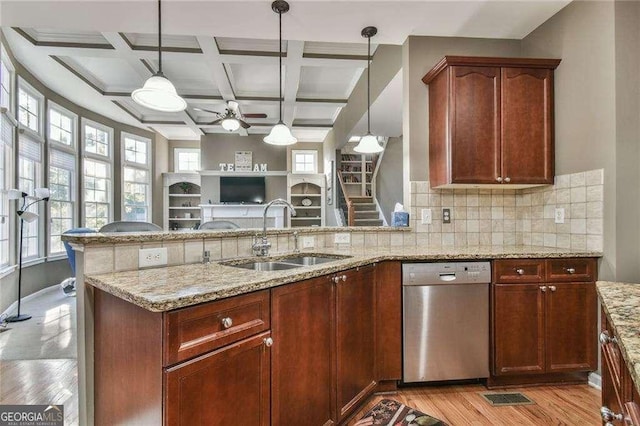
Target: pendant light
{"points": [[368, 143], [158, 93], [280, 133]]}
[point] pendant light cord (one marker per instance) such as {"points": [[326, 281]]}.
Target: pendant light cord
{"points": [[159, 37], [280, 60], [369, 85]]}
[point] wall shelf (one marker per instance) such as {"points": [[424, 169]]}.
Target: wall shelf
{"points": [[311, 186]]}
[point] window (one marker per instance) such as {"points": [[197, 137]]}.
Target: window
{"points": [[62, 176], [29, 106], [29, 178], [6, 160], [186, 159], [97, 172], [136, 179], [61, 126], [305, 161], [5, 84]]}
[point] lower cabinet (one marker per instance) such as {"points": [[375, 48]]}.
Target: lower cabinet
{"points": [[227, 386]]}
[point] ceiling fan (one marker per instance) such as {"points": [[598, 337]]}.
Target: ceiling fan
{"points": [[231, 119]]}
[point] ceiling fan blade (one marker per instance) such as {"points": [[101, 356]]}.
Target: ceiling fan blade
{"points": [[257, 115], [206, 110], [244, 124], [215, 122]]}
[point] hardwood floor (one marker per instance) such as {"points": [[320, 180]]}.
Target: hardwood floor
{"points": [[463, 405]]}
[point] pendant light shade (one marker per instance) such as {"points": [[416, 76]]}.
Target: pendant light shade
{"points": [[368, 143], [280, 134], [158, 93]]}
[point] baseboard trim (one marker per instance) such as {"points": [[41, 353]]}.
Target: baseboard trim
{"points": [[14, 306], [595, 380]]}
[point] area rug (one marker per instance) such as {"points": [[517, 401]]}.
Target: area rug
{"points": [[393, 413]]}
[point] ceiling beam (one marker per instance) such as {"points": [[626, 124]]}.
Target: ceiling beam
{"points": [[293, 69], [122, 47]]}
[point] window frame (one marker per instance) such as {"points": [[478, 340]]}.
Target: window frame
{"points": [[295, 152], [40, 209], [72, 148], [29, 89], [147, 167], [6, 61], [95, 157], [176, 159], [9, 163]]}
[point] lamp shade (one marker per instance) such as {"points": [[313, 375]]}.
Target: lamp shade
{"points": [[42, 193], [368, 145], [159, 94], [230, 124], [15, 194], [280, 135], [28, 216]]}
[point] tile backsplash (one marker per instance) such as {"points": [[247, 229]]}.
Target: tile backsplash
{"points": [[509, 216]]}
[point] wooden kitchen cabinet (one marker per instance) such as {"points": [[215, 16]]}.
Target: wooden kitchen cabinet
{"points": [[227, 386], [491, 121], [303, 324], [543, 327]]}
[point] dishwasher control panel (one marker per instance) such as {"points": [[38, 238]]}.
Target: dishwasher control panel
{"points": [[446, 273]]}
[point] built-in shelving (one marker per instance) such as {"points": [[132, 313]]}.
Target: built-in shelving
{"points": [[182, 198], [307, 187]]}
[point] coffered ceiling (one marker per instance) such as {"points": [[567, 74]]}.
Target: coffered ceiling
{"points": [[96, 53]]}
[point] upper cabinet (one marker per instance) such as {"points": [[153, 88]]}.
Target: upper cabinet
{"points": [[491, 121]]}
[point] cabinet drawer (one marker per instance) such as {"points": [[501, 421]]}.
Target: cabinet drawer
{"points": [[198, 329], [574, 269], [518, 271]]}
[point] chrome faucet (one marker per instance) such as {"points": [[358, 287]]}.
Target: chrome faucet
{"points": [[261, 245]]}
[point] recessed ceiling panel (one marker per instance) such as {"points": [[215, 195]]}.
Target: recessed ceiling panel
{"points": [[168, 40], [176, 132], [190, 75], [326, 48], [112, 74], [43, 35], [310, 135], [327, 83], [310, 111], [249, 44], [254, 79]]}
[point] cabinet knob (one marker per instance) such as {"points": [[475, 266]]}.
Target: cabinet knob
{"points": [[570, 270], [268, 342], [520, 271], [605, 338], [344, 278], [552, 288], [499, 179], [227, 322], [507, 179], [335, 279], [608, 415], [543, 288]]}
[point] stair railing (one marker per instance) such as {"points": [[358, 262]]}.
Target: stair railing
{"points": [[351, 214]]}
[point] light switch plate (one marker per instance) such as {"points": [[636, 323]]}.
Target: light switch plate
{"points": [[150, 257], [342, 238], [426, 216], [559, 215], [308, 242]]}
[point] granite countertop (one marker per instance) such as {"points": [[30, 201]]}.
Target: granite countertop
{"points": [[166, 288], [621, 302]]}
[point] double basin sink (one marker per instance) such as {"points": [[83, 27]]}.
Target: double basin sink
{"points": [[289, 262]]}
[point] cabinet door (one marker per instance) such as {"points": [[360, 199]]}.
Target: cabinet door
{"points": [[388, 321], [527, 125], [571, 323], [355, 304], [228, 386], [302, 354], [475, 124], [518, 328]]}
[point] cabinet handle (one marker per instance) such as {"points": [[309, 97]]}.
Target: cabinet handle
{"points": [[268, 342], [570, 270], [520, 271], [605, 338], [552, 288], [344, 278], [499, 179], [507, 179], [227, 322], [335, 279], [543, 288], [608, 415]]}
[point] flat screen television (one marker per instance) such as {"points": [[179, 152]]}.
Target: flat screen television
{"points": [[238, 190]]}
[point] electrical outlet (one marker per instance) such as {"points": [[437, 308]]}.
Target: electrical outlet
{"points": [[426, 216], [308, 242], [152, 257], [342, 238], [559, 217], [446, 215]]}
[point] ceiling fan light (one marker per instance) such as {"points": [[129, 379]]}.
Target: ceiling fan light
{"points": [[159, 94], [230, 124], [280, 135], [368, 145]]}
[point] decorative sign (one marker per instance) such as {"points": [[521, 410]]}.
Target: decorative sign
{"points": [[244, 161], [229, 167]]}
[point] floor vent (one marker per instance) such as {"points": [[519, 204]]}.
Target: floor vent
{"points": [[506, 398]]}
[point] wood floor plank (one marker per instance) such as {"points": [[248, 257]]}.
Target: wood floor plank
{"points": [[571, 405]]}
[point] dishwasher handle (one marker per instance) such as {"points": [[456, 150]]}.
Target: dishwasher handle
{"points": [[448, 276]]}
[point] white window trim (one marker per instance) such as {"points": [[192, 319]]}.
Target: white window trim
{"points": [[39, 135], [41, 207], [313, 152], [76, 203], [176, 163], [147, 168], [4, 57], [90, 155], [72, 149], [11, 173]]}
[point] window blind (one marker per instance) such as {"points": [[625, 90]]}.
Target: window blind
{"points": [[6, 131], [62, 160], [30, 149]]}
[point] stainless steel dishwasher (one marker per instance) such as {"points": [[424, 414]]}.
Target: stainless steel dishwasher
{"points": [[446, 321]]}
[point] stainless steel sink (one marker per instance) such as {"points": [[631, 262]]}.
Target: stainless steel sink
{"points": [[310, 260], [266, 266]]}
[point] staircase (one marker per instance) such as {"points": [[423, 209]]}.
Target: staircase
{"points": [[365, 212], [357, 183]]}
